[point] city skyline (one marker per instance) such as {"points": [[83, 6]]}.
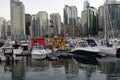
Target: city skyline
{"points": [[34, 6]]}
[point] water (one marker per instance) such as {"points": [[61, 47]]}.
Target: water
{"points": [[107, 68]]}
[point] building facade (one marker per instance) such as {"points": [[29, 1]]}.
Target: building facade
{"points": [[56, 22], [92, 21], [42, 23], [2, 24], [89, 20], [86, 4], [101, 21], [17, 19], [27, 25], [8, 30], [70, 19], [112, 15], [33, 27]]}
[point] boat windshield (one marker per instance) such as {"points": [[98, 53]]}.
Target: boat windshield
{"points": [[16, 46], [38, 48], [117, 43], [91, 42], [82, 44]]}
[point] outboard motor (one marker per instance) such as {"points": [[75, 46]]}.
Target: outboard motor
{"points": [[118, 53]]}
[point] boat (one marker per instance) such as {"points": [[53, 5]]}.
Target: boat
{"points": [[61, 54], [110, 46], [84, 49], [39, 52], [24, 45], [17, 48], [8, 53], [113, 50]]}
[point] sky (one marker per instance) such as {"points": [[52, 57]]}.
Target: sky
{"points": [[50, 6]]}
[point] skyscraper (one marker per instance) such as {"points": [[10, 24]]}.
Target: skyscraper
{"points": [[86, 4], [70, 14], [17, 19], [3, 27], [42, 23], [70, 18], [27, 24], [110, 1], [33, 28], [56, 22], [112, 18], [2, 20], [89, 20], [67, 14]]}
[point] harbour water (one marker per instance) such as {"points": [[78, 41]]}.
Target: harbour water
{"points": [[107, 68]]}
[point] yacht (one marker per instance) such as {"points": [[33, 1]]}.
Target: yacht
{"points": [[9, 51], [85, 48], [111, 50], [39, 52]]}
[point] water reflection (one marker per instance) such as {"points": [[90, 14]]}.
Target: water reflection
{"points": [[71, 70], [91, 61], [107, 68], [88, 66], [18, 71], [111, 67], [39, 65], [13, 70]]}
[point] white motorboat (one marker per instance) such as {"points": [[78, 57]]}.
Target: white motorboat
{"points": [[10, 52], [110, 46], [113, 50], [83, 48], [17, 49], [39, 52]]}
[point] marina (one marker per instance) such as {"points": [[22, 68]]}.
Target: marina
{"points": [[54, 62], [57, 63], [75, 40]]}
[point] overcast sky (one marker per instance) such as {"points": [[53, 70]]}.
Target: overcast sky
{"points": [[51, 6]]}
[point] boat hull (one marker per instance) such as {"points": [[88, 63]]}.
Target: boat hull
{"points": [[38, 56], [108, 51], [3, 58], [83, 53]]}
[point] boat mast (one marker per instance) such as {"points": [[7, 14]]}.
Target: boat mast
{"points": [[107, 22], [105, 18]]}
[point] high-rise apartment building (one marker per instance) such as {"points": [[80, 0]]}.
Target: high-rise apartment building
{"points": [[70, 19], [33, 28], [110, 1], [101, 21], [86, 4], [42, 24], [70, 15], [17, 19], [27, 24], [2, 23], [89, 20], [56, 22], [8, 29], [112, 18]]}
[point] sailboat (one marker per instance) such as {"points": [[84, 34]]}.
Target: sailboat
{"points": [[110, 46]]}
